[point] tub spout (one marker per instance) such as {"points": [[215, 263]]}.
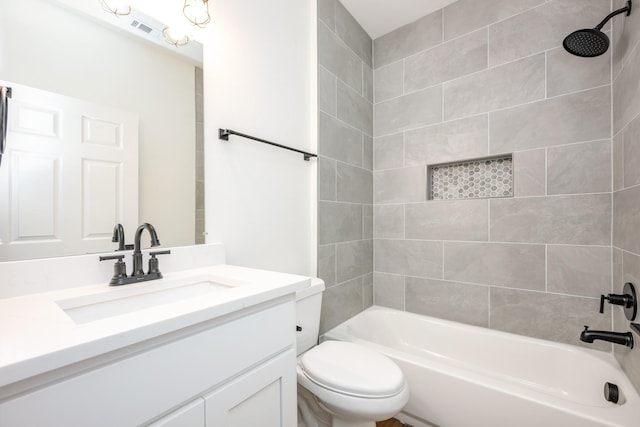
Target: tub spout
{"points": [[623, 338]]}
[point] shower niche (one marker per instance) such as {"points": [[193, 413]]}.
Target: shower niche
{"points": [[482, 178]]}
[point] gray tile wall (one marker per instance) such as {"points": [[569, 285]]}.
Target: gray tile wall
{"points": [[484, 78], [345, 146], [200, 230], [626, 163]]}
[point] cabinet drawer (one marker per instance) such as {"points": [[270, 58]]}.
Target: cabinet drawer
{"points": [[190, 415], [134, 390]]}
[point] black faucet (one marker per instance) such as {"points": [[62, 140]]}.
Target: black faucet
{"points": [[137, 253], [623, 338], [118, 236], [137, 275]]}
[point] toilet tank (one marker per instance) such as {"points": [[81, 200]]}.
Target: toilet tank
{"points": [[308, 303]]}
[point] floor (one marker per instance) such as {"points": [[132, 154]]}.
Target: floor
{"points": [[390, 423]]}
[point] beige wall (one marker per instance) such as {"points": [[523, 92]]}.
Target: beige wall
{"points": [[44, 46]]}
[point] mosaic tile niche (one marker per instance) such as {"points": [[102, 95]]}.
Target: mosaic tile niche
{"points": [[472, 179]]}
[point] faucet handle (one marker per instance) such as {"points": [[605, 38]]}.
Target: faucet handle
{"points": [[628, 300], [602, 298], [119, 268], [153, 262]]}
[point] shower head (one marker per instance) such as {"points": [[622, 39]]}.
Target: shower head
{"points": [[592, 42], [586, 43]]}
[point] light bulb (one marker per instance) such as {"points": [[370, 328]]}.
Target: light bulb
{"points": [[175, 36], [117, 7], [197, 12]]}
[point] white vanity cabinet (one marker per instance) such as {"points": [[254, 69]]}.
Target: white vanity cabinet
{"points": [[237, 370], [190, 415]]}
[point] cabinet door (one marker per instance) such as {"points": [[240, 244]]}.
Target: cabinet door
{"points": [[264, 396], [190, 415]]}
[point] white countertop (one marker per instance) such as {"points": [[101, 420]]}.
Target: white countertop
{"points": [[37, 335]]}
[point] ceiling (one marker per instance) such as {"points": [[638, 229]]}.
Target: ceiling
{"points": [[379, 17]]}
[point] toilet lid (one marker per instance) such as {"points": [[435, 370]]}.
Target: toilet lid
{"points": [[352, 369]]}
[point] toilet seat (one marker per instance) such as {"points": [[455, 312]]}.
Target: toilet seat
{"points": [[352, 370]]}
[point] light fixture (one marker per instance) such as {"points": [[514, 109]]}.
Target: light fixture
{"points": [[197, 12], [121, 8], [174, 37]]}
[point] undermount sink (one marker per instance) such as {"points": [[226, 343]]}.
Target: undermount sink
{"points": [[131, 298]]}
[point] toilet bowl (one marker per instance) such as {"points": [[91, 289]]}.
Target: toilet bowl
{"points": [[342, 384]]}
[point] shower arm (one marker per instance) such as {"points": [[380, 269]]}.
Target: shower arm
{"points": [[627, 9]]}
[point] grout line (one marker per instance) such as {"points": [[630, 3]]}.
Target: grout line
{"points": [[485, 242]]}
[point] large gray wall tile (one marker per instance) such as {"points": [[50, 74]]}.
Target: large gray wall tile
{"points": [[509, 265], [542, 28], [327, 264], [436, 297], [354, 184], [567, 73], [448, 220], [409, 257], [626, 102], [628, 358], [388, 81], [529, 173], [449, 141], [617, 161], [626, 34], [326, 91], [547, 316], [500, 87], [447, 61], [388, 152], [582, 116], [367, 221], [352, 33], [631, 153], [579, 168], [408, 111], [326, 179], [389, 290], [465, 16], [336, 57], [367, 152], [580, 220], [367, 83], [367, 291], [616, 270], [327, 13], [340, 303], [409, 39], [354, 109], [353, 259], [579, 270], [626, 219], [339, 222], [400, 185], [389, 221], [339, 141]]}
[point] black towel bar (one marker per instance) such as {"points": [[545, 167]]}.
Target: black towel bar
{"points": [[223, 134]]}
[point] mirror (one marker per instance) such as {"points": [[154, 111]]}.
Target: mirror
{"points": [[51, 45]]}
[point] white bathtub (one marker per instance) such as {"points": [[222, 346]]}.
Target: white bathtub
{"points": [[466, 376]]}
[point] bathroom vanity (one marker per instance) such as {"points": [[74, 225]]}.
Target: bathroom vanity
{"points": [[201, 347]]}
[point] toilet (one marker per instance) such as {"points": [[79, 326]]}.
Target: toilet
{"points": [[341, 384]]}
